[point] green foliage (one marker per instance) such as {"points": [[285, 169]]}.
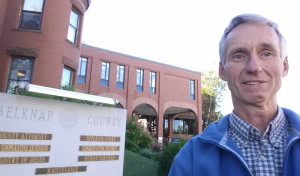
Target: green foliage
{"points": [[69, 88], [136, 138], [166, 160], [132, 146], [148, 153], [212, 89]]}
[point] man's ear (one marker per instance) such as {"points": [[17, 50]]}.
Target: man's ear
{"points": [[221, 72], [285, 66]]}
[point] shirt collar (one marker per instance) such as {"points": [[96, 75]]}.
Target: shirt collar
{"points": [[247, 132]]}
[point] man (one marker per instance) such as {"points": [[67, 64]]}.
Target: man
{"points": [[259, 137]]}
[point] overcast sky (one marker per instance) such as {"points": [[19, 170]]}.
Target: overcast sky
{"points": [[186, 33]]}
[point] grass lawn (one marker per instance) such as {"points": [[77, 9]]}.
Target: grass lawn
{"points": [[136, 165]]}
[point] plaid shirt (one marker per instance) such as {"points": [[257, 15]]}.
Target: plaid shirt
{"points": [[263, 154]]}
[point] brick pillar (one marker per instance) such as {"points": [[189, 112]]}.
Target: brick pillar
{"points": [[199, 124], [160, 126], [170, 124]]}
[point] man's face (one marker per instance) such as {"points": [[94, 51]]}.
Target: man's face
{"points": [[254, 67]]}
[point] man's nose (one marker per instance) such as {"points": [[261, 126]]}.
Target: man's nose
{"points": [[254, 65]]}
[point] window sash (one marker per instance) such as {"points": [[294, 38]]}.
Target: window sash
{"points": [[31, 15], [139, 80], [152, 83], [74, 19], [152, 79], [183, 126], [67, 75], [120, 73], [192, 89], [120, 76], [82, 69], [105, 71], [73, 26], [139, 77], [72, 34], [20, 71], [33, 5]]}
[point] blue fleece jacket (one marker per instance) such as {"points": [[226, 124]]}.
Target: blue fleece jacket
{"points": [[214, 153]]}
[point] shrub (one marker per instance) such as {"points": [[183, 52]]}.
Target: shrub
{"points": [[157, 147], [136, 137], [132, 146], [168, 155], [145, 140], [150, 154]]}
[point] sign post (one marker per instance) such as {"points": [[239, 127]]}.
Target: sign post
{"points": [[46, 137]]}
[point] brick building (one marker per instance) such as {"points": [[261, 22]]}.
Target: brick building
{"points": [[40, 43]]}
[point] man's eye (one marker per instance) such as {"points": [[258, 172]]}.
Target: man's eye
{"points": [[266, 54], [238, 56]]}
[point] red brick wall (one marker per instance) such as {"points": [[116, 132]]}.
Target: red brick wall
{"points": [[172, 82], [52, 51], [50, 43]]}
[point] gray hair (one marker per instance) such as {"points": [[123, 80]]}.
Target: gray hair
{"points": [[250, 18]]}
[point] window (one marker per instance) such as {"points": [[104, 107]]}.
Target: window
{"points": [[104, 74], [183, 126], [31, 15], [20, 72], [152, 84], [192, 89], [73, 27], [120, 76], [139, 80], [82, 67], [67, 76], [166, 125]]}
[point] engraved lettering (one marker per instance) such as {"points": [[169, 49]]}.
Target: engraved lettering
{"points": [[24, 113], [98, 158], [99, 148], [42, 116], [100, 138], [60, 170], [24, 160], [103, 121], [15, 116], [8, 113], [119, 120], [25, 136], [33, 113], [108, 121], [22, 148], [50, 114]]}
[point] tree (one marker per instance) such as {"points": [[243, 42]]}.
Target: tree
{"points": [[212, 89]]}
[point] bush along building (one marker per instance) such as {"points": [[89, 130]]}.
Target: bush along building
{"points": [[40, 43]]}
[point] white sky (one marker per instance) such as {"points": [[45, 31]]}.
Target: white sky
{"points": [[186, 33]]}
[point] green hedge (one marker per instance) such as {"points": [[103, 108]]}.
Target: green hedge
{"points": [[149, 153], [166, 160], [136, 138]]}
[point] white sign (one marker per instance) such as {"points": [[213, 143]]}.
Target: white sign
{"points": [[51, 137]]}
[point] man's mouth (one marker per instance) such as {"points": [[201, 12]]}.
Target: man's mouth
{"points": [[252, 83]]}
